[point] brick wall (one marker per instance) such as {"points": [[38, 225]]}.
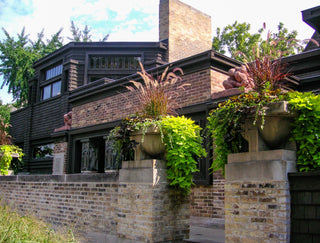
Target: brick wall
{"points": [[60, 147], [114, 204], [154, 210], [65, 199], [119, 105], [60, 158], [208, 201]]}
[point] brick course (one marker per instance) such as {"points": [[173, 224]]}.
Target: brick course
{"points": [[208, 201]]}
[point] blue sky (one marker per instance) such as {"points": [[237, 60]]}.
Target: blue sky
{"points": [[137, 20]]}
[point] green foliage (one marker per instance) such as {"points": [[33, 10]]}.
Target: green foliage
{"points": [[16, 228], [306, 129], [17, 57], [156, 100], [6, 152], [120, 139], [181, 138], [183, 146], [5, 113], [237, 38], [225, 123]]}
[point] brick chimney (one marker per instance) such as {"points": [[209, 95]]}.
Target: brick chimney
{"points": [[186, 30]]}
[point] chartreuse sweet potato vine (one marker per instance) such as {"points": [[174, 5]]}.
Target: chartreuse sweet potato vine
{"points": [[183, 145], [306, 129], [6, 152], [182, 139]]}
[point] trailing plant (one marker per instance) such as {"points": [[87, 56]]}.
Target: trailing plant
{"points": [[225, 123], [6, 152], [181, 137], [306, 129], [120, 140], [267, 76], [183, 146]]}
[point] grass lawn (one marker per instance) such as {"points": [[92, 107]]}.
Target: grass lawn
{"points": [[17, 228]]}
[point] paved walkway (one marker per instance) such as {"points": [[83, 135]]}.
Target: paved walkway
{"points": [[202, 230], [206, 230]]}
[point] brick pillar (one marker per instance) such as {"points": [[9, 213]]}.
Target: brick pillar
{"points": [[149, 210], [187, 30], [257, 197]]}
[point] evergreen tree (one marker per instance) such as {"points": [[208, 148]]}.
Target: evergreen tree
{"points": [[82, 35]]}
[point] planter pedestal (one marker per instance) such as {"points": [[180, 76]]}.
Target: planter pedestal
{"points": [[257, 196], [148, 209]]}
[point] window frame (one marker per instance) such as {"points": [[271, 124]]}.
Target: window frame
{"points": [[107, 72], [50, 85], [53, 72]]}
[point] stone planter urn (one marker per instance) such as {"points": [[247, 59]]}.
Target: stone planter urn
{"points": [[149, 145], [275, 132]]}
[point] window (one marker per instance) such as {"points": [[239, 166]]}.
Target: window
{"points": [[51, 90], [114, 62], [44, 151], [53, 72]]}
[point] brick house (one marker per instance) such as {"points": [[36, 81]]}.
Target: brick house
{"points": [[89, 79]]}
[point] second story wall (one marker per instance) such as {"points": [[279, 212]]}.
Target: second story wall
{"points": [[113, 102]]}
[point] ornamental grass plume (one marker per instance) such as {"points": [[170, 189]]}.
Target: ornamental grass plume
{"points": [[267, 70], [157, 96]]}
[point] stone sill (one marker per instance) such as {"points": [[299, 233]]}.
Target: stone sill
{"points": [[97, 177]]}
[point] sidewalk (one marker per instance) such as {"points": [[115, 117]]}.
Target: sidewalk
{"points": [[206, 230], [202, 230]]}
